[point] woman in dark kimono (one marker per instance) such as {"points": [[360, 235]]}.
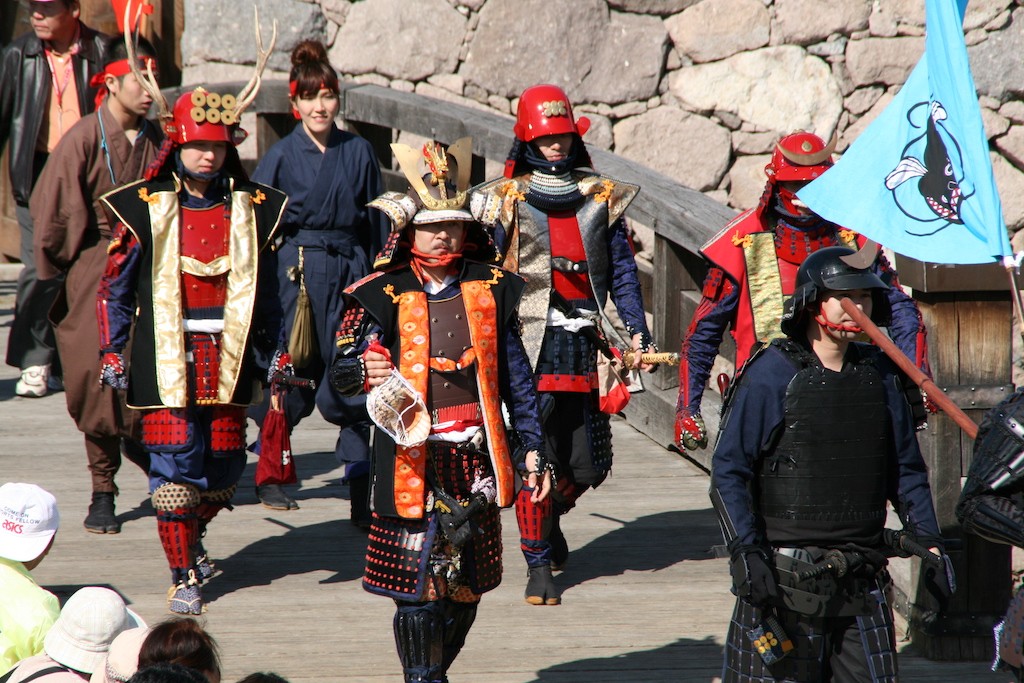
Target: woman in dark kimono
{"points": [[329, 240]]}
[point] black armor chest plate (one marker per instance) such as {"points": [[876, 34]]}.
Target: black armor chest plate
{"points": [[449, 337], [825, 481]]}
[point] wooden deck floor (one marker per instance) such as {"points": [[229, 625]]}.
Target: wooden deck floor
{"points": [[643, 599]]}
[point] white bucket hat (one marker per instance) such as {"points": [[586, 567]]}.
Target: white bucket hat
{"points": [[87, 625], [28, 520]]}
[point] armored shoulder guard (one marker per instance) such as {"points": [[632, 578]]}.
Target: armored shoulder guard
{"points": [[493, 203], [362, 281], [617, 194]]}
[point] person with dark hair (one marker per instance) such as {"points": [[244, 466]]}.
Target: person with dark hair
{"points": [[752, 264], [817, 437], [190, 264], [45, 87], [184, 642], [105, 149], [168, 673], [434, 338], [328, 241], [263, 677], [562, 227]]}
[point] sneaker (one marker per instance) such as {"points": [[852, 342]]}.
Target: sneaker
{"points": [[101, 518], [540, 588], [186, 597], [33, 382], [54, 384]]}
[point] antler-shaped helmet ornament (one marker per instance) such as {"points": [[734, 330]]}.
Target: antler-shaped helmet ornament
{"points": [[185, 122], [247, 94], [147, 80]]}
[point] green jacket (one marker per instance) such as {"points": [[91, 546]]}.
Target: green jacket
{"points": [[26, 613]]}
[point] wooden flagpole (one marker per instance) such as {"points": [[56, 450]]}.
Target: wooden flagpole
{"points": [[935, 394]]}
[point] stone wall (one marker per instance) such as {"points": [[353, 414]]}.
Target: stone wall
{"points": [[696, 89]]}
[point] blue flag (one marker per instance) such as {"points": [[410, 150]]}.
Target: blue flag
{"points": [[919, 178]]}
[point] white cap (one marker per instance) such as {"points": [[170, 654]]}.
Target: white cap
{"points": [[28, 520], [88, 623]]}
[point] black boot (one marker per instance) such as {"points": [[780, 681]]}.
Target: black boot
{"points": [[540, 588], [559, 546], [359, 495], [101, 519], [273, 496]]}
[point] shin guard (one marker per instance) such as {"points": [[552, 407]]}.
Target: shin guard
{"points": [[459, 618], [213, 501], [534, 527], [177, 525], [419, 637]]}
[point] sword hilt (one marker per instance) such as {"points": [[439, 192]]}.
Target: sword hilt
{"points": [[661, 358]]}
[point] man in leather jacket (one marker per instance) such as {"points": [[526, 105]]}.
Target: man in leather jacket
{"points": [[44, 89]]}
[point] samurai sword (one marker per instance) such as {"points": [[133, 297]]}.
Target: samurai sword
{"points": [[661, 358]]}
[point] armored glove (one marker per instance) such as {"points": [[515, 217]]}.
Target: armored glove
{"points": [[940, 582], [753, 577], [112, 371], [691, 433]]}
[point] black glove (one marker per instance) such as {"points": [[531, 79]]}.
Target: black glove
{"points": [[940, 581], [864, 562], [753, 577]]}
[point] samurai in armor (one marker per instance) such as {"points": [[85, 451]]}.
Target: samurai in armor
{"points": [[433, 336], [190, 265], [561, 226], [992, 506], [817, 436], [752, 267]]}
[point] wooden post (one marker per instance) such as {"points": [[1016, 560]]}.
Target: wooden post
{"points": [[968, 314], [676, 283]]}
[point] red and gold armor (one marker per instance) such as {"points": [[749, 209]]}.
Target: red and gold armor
{"points": [[205, 261], [569, 258]]}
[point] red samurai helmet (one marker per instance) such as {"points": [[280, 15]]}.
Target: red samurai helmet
{"points": [[800, 156], [207, 116], [545, 110]]}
